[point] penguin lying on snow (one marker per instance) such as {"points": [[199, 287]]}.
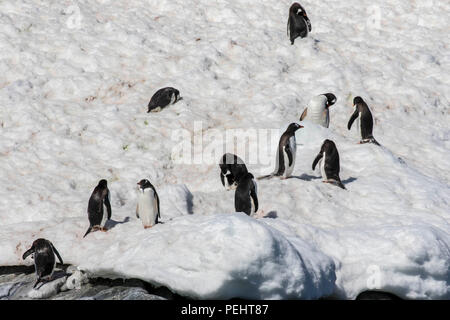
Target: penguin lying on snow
{"points": [[245, 197], [99, 208], [232, 169], [285, 158], [162, 98], [298, 22], [43, 252], [318, 109], [147, 208], [364, 116], [328, 159]]}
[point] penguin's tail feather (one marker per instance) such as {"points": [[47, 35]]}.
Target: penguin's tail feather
{"points": [[340, 184], [375, 142], [36, 283], [88, 231]]}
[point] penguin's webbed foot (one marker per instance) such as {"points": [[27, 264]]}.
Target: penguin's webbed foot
{"points": [[147, 227]]}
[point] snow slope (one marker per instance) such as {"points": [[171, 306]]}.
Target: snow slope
{"points": [[75, 81]]}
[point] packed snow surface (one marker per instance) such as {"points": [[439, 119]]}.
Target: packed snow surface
{"points": [[76, 78]]}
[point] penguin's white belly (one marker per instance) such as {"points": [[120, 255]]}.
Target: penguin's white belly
{"points": [[147, 207], [290, 168], [105, 216], [322, 167], [359, 125], [253, 207], [320, 116]]}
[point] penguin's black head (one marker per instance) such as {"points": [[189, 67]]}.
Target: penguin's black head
{"points": [[297, 9], [357, 100], [331, 99], [144, 184], [294, 127], [328, 145], [103, 183]]}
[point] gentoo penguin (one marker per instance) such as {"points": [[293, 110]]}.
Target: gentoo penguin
{"points": [[245, 196], [232, 169], [318, 111], [99, 208], [329, 163], [285, 158], [147, 208], [162, 98], [298, 22], [364, 116], [44, 259]]}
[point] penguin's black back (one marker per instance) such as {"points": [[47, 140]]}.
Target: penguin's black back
{"points": [[332, 163], [366, 120], [242, 201], [298, 24], [44, 258], [95, 205], [162, 98]]}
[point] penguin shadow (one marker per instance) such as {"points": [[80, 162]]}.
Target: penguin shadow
{"points": [[305, 177], [110, 224], [190, 203], [348, 180], [272, 215]]}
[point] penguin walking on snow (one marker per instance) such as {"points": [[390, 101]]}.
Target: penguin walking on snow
{"points": [[364, 116], [147, 208], [318, 109], [287, 149], [298, 24], [245, 196], [99, 207], [162, 98], [43, 252], [232, 169], [328, 159]]}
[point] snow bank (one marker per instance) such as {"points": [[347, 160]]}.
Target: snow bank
{"points": [[221, 256]]}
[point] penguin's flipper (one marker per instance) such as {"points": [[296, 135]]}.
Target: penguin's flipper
{"points": [[88, 231], [288, 25], [27, 253], [157, 205], [137, 210], [303, 116], [288, 151], [57, 253], [308, 23], [352, 118], [316, 160], [222, 178]]}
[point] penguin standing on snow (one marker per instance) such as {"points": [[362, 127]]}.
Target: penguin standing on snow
{"points": [[232, 169], [287, 149], [147, 208], [298, 22], [318, 109], [99, 208], [364, 116], [328, 159], [162, 98], [245, 197], [44, 259]]}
